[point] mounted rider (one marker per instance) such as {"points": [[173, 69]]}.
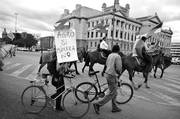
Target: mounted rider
{"points": [[141, 54], [103, 47]]}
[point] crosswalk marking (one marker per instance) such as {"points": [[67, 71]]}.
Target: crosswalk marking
{"points": [[7, 63], [173, 85], [166, 88], [17, 72], [166, 98], [173, 81], [12, 66], [33, 74]]}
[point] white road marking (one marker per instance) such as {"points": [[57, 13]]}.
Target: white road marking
{"points": [[171, 80], [173, 85], [33, 75], [167, 88], [17, 72], [7, 63], [12, 66]]}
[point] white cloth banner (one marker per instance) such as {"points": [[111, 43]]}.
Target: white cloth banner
{"points": [[66, 49]]}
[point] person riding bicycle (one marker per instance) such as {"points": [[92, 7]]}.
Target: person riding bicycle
{"points": [[113, 70]]}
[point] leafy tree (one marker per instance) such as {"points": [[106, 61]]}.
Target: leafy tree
{"points": [[24, 40]]}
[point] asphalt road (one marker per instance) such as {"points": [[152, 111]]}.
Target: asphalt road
{"points": [[161, 101]]}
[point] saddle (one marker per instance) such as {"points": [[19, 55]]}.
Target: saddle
{"points": [[103, 55]]}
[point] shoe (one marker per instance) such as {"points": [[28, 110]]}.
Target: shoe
{"points": [[96, 108], [116, 110]]}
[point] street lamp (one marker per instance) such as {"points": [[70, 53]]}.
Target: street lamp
{"points": [[113, 31], [16, 14]]}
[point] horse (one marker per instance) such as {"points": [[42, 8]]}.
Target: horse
{"points": [[132, 64], [163, 64], [93, 57], [47, 55]]}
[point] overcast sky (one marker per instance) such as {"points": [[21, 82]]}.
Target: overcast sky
{"points": [[39, 16]]}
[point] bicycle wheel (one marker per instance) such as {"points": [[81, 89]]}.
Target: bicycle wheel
{"points": [[89, 89], [125, 93], [72, 106], [33, 99]]}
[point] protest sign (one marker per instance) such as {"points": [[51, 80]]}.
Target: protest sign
{"points": [[66, 49]]}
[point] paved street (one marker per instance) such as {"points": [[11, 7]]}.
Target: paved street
{"points": [[161, 101]]}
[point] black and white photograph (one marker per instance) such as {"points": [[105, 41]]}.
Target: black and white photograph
{"points": [[89, 59]]}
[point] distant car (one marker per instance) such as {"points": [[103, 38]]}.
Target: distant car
{"points": [[176, 61]]}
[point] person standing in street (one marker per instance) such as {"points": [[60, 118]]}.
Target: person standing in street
{"points": [[114, 69]]}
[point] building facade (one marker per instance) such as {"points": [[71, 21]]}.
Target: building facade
{"points": [[121, 30], [175, 50]]}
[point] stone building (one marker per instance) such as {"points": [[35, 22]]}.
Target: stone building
{"points": [[164, 36], [122, 28]]}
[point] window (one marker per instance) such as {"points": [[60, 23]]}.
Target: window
{"points": [[92, 24], [88, 24], [95, 44], [106, 21], [125, 36], [124, 46], [129, 26], [102, 21], [117, 22], [121, 34], [96, 22], [132, 36], [122, 24], [101, 35], [111, 33], [132, 27], [117, 33], [128, 37], [92, 34], [96, 34], [88, 34], [91, 44]]}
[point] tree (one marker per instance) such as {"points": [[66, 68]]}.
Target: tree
{"points": [[24, 40], [29, 41]]}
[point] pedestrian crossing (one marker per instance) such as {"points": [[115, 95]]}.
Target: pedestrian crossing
{"points": [[166, 91]]}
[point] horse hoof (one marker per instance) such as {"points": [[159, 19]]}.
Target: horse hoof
{"points": [[77, 73]]}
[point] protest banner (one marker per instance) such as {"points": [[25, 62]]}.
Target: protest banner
{"points": [[66, 49]]}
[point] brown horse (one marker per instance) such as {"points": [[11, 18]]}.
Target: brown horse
{"points": [[94, 57]]}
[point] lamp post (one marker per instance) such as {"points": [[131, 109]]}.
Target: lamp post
{"points": [[113, 20], [16, 14]]}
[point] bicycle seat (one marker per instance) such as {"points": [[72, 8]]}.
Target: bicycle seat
{"points": [[93, 73]]}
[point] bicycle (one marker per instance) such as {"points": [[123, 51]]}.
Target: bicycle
{"points": [[96, 91], [35, 99]]}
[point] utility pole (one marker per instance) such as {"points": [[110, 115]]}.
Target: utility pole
{"points": [[16, 14], [113, 21]]}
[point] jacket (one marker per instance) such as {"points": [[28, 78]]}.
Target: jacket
{"points": [[114, 64]]}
